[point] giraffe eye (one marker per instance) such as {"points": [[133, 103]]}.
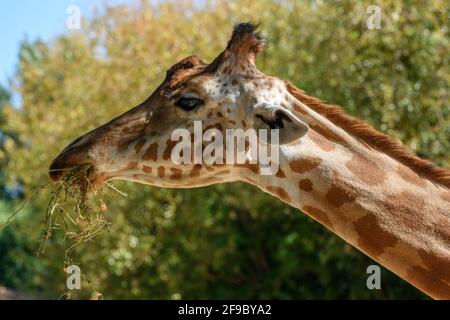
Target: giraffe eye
{"points": [[189, 103]]}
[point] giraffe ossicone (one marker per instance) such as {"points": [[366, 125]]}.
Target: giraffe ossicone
{"points": [[359, 183]]}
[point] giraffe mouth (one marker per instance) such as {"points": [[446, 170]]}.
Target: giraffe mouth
{"points": [[73, 157], [60, 167], [84, 171]]}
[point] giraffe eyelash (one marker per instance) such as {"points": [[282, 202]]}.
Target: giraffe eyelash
{"points": [[189, 103]]}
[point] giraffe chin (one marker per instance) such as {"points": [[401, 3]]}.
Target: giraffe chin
{"points": [[98, 181]]}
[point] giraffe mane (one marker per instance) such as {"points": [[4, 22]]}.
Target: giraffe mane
{"points": [[373, 138]]}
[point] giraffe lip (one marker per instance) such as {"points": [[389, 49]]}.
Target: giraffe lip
{"points": [[59, 167]]}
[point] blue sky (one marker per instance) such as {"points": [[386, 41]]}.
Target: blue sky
{"points": [[31, 19]]}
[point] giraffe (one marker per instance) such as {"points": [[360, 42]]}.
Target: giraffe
{"points": [[357, 182]]}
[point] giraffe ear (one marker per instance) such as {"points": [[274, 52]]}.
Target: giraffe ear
{"points": [[290, 128]]}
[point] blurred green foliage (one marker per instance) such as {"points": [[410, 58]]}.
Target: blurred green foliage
{"points": [[224, 241]]}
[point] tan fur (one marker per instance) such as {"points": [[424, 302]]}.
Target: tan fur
{"points": [[373, 138]]}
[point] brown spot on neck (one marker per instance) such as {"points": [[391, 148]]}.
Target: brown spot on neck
{"points": [[168, 151], [340, 193], [138, 146], [131, 165], [147, 169], [176, 173], [253, 167], [195, 172], [373, 238], [151, 153], [321, 142], [305, 184], [366, 170], [434, 276], [304, 164], [161, 171], [279, 192], [406, 209], [319, 215], [280, 173]]}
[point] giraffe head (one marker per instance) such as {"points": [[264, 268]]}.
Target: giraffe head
{"points": [[229, 93]]}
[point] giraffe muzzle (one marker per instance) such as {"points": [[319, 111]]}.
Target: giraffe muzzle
{"points": [[93, 147], [71, 157], [63, 163]]}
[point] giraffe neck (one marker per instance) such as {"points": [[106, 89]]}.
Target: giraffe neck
{"points": [[375, 203]]}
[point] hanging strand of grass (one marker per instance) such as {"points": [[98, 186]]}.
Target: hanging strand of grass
{"points": [[80, 225], [23, 205], [116, 190], [68, 211]]}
